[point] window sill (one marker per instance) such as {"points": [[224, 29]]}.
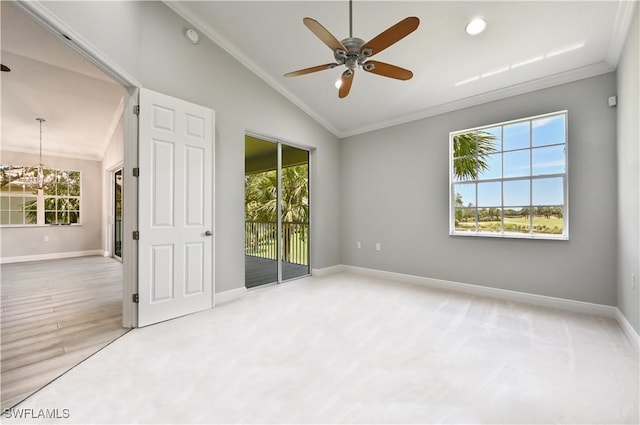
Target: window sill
{"points": [[33, 226], [499, 235]]}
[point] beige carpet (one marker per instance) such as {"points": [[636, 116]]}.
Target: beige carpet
{"points": [[351, 349]]}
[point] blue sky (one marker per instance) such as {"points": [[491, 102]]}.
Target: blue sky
{"points": [[515, 159]]}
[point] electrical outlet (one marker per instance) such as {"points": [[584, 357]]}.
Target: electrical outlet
{"points": [[358, 245], [378, 246], [46, 238]]}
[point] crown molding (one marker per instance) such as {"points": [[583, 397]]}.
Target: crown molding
{"points": [[623, 21], [621, 27], [526, 87], [228, 47]]}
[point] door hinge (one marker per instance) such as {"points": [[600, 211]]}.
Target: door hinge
{"points": [[136, 235], [136, 172], [136, 298], [136, 110]]}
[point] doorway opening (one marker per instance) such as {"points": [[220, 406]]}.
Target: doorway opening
{"points": [[117, 214], [65, 298], [276, 212]]}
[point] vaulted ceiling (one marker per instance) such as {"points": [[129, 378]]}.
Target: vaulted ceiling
{"points": [[80, 103], [526, 45]]}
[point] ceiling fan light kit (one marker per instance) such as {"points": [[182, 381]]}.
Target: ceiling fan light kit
{"points": [[353, 52]]}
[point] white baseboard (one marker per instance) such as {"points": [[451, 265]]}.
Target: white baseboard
{"points": [[227, 296], [485, 291], [631, 333], [503, 294], [51, 256], [326, 271]]}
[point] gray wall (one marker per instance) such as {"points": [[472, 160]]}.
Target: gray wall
{"points": [[388, 186], [629, 177], [395, 190], [29, 240], [149, 44]]}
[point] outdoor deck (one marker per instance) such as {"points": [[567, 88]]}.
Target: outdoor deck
{"points": [[259, 271]]}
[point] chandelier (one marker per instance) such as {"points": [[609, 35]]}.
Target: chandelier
{"points": [[35, 175]]}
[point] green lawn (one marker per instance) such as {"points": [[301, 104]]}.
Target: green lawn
{"points": [[537, 220], [552, 225]]}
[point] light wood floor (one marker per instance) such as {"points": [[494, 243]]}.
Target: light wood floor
{"points": [[55, 314]]}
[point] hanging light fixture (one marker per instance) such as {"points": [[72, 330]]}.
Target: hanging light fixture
{"points": [[34, 175], [40, 164]]}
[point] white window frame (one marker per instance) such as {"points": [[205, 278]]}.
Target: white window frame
{"points": [[40, 202], [23, 196], [58, 197], [531, 178]]}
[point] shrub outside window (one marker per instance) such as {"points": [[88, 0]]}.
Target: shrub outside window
{"points": [[510, 179], [62, 197]]}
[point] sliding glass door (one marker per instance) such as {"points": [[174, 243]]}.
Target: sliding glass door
{"points": [[276, 212], [260, 212], [117, 214], [294, 212]]}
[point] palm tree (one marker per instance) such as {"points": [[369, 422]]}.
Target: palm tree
{"points": [[261, 198], [470, 151]]}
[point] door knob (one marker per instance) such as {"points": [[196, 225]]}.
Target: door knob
{"points": [[208, 233]]}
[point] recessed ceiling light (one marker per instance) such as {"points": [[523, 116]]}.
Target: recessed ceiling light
{"points": [[338, 83], [475, 26]]}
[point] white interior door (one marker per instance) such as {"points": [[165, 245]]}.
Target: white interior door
{"points": [[175, 249]]}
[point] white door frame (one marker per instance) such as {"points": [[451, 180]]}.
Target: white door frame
{"points": [[279, 142], [41, 14], [111, 179]]}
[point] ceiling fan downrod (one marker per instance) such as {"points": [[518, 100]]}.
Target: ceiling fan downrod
{"points": [[353, 52], [350, 18], [353, 57]]}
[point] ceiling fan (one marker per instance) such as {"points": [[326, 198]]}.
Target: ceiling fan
{"points": [[354, 52]]}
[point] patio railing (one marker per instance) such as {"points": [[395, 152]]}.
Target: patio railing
{"points": [[260, 240]]}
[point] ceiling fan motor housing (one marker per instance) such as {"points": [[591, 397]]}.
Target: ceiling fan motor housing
{"points": [[353, 57], [353, 52]]}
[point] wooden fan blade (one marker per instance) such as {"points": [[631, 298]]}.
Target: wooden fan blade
{"points": [[310, 70], [391, 35], [323, 34], [347, 80], [387, 70]]}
